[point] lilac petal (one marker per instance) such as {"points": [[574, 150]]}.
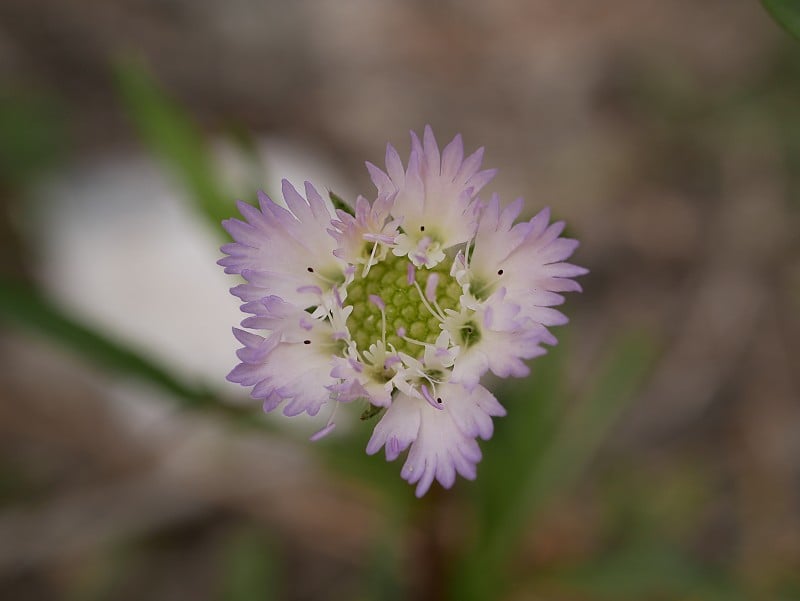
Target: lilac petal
{"points": [[452, 157]]}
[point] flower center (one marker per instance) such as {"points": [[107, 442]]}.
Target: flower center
{"points": [[406, 312]]}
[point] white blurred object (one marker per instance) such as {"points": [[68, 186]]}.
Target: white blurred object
{"points": [[123, 248]]}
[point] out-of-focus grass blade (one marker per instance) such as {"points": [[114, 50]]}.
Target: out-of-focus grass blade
{"points": [[533, 479], [171, 136], [21, 306], [786, 13], [252, 568]]}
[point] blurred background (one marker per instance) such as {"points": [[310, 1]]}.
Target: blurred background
{"points": [[653, 455]]}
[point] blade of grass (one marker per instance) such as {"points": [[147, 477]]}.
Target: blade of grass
{"points": [[786, 13], [21, 306], [169, 133]]}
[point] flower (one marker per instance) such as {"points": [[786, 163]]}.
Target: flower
{"points": [[400, 305]]}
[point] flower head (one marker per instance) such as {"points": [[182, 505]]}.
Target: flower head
{"points": [[403, 303]]}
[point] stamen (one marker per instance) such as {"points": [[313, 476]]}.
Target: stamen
{"points": [[425, 302], [329, 427], [378, 302], [323, 433], [436, 403], [369, 262], [391, 360], [401, 333], [438, 307], [430, 286]]}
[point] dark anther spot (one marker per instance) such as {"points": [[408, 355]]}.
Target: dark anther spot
{"points": [[422, 228], [439, 400], [310, 269], [499, 272], [306, 342]]}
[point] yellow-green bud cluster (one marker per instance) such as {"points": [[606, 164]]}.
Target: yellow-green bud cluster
{"points": [[405, 308]]}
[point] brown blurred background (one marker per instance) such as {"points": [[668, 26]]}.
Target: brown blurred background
{"points": [[666, 134]]}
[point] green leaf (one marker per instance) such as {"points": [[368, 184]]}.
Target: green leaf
{"points": [[345, 454], [33, 137], [169, 133], [382, 580], [340, 203], [252, 568], [533, 473], [647, 571], [786, 13], [534, 407], [23, 307]]}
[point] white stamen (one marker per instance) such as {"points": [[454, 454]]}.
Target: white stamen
{"points": [[378, 302], [371, 259], [425, 302], [329, 427]]}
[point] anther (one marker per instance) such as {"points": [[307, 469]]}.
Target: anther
{"points": [[430, 286], [310, 269], [377, 301], [499, 272], [410, 274], [425, 302], [306, 342]]}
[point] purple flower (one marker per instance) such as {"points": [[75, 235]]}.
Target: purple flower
{"points": [[403, 303]]}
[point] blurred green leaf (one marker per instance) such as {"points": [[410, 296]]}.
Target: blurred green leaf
{"points": [[340, 203], [22, 306], [381, 581], [533, 473], [641, 572], [164, 126], [252, 568], [255, 172], [32, 137], [786, 13], [534, 407], [345, 453]]}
